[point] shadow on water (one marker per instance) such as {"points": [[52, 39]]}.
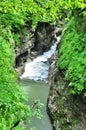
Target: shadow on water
{"points": [[35, 91]]}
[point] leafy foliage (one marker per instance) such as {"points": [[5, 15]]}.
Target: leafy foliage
{"points": [[72, 57], [12, 108], [13, 15]]}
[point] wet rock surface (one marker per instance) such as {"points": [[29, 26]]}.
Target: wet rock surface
{"points": [[23, 52], [44, 36], [66, 111], [35, 44]]}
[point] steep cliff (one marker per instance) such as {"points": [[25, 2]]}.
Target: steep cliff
{"points": [[67, 102], [33, 43]]}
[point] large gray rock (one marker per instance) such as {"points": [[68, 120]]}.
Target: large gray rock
{"points": [[44, 36], [66, 111], [23, 52], [31, 46]]}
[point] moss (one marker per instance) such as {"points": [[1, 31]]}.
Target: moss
{"points": [[12, 108], [80, 22], [64, 116], [72, 59]]}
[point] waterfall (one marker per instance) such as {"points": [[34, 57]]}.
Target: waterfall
{"points": [[38, 68]]}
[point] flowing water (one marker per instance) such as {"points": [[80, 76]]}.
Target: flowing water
{"points": [[36, 91], [35, 88]]}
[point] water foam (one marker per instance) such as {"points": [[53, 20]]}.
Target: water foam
{"points": [[38, 68]]}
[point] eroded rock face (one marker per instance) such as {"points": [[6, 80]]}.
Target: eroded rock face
{"points": [[23, 52], [44, 36], [66, 111], [39, 42]]}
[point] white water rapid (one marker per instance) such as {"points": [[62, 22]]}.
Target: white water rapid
{"points": [[38, 68]]}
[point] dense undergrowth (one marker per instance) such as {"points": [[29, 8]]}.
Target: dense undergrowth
{"points": [[72, 56], [14, 15], [12, 109]]}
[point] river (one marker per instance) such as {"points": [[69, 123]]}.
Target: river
{"points": [[35, 91], [34, 84]]}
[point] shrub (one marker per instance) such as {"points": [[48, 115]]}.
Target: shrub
{"points": [[72, 60]]}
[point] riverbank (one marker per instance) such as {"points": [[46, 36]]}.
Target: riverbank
{"points": [[36, 92], [34, 82], [18, 21], [67, 103]]}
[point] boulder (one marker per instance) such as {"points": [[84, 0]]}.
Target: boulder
{"points": [[44, 36], [66, 111]]}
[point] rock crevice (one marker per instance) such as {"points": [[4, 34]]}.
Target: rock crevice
{"points": [[66, 111], [31, 46]]}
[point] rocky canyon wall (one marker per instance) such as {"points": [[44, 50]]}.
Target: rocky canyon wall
{"points": [[66, 111]]}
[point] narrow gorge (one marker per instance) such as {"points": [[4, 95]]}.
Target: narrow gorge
{"points": [[34, 80], [66, 108], [66, 111], [42, 65]]}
